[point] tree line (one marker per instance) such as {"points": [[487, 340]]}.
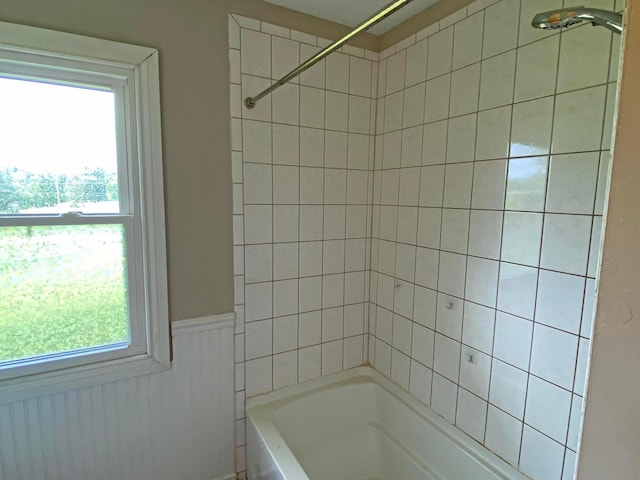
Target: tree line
{"points": [[22, 190]]}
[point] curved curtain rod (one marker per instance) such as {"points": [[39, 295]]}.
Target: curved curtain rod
{"points": [[390, 9]]}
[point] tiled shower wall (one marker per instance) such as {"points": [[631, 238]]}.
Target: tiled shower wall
{"points": [[491, 164], [303, 176]]}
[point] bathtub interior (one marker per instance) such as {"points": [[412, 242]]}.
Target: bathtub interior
{"points": [[364, 428]]}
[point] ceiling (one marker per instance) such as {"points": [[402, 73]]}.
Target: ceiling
{"points": [[353, 12]]}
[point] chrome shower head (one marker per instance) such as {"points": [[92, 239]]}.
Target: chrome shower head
{"points": [[569, 16]]}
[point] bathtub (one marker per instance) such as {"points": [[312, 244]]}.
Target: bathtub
{"points": [[357, 425]]}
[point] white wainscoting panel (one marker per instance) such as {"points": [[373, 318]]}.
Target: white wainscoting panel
{"points": [[173, 425]]}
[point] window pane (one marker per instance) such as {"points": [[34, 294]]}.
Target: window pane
{"points": [[58, 149], [62, 288]]}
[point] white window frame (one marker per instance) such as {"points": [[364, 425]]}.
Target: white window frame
{"points": [[132, 73]]}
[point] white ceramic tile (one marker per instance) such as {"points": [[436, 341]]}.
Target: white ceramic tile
{"points": [[396, 64], [285, 297], [309, 329], [570, 465], [358, 152], [414, 100], [471, 414], [312, 101], [258, 301], [256, 145], [309, 294], [407, 224], [285, 334], [352, 352], [286, 145], [453, 18], [286, 104], [572, 183], [338, 72], [465, 87], [258, 339], [334, 222], [494, 129], [578, 118], [457, 185], [503, 435], [501, 27], [401, 336], [333, 256], [461, 139], [337, 111], [250, 86], [497, 80], [256, 53], [434, 146], [359, 114], [559, 302], [512, 341], [258, 263], [382, 361], [354, 319], [311, 222], [440, 53], [575, 423], [393, 111], [258, 376], [572, 74], [485, 234], [580, 383], [547, 409], [360, 77], [403, 298], [537, 68], [384, 325], [541, 458], [478, 327], [332, 290], [565, 243], [444, 397], [452, 274], [257, 184], [420, 382], [309, 366], [315, 76], [357, 185], [354, 287], [482, 281], [467, 47], [234, 33], [335, 186], [392, 150], [429, 227], [449, 316], [517, 289], [526, 184], [332, 324], [416, 71], [610, 109], [257, 224], [432, 186], [311, 186], [521, 238], [475, 370], [446, 357], [588, 309], [427, 261], [595, 251], [553, 355], [424, 305], [387, 258], [285, 223], [455, 230], [411, 147], [508, 388], [437, 98], [489, 183], [285, 369], [390, 187], [285, 56], [286, 185], [405, 262], [311, 147]]}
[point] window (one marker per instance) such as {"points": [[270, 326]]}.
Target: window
{"points": [[83, 291]]}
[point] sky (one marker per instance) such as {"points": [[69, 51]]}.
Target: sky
{"points": [[48, 128]]}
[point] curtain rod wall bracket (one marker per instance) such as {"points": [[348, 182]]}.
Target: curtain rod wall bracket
{"points": [[250, 102]]}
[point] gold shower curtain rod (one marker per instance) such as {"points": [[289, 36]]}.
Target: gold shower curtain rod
{"points": [[390, 9]]}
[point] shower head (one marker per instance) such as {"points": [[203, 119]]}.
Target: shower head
{"points": [[569, 16]]}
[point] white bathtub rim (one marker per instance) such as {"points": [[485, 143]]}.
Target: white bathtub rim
{"points": [[260, 409]]}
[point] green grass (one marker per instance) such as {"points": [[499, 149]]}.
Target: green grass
{"points": [[61, 289]]}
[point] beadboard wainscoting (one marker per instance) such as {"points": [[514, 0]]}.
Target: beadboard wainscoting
{"points": [[177, 424]]}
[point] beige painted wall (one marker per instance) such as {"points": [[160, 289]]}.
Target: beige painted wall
{"points": [[191, 36], [611, 440]]}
